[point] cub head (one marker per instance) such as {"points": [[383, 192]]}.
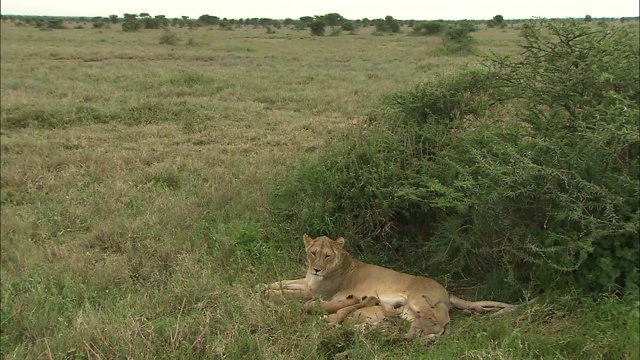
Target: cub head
{"points": [[324, 255]]}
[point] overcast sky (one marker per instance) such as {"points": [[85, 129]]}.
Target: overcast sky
{"points": [[350, 9]]}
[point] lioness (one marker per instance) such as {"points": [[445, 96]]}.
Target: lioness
{"points": [[334, 276]]}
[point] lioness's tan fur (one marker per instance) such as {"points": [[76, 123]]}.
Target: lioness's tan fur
{"points": [[333, 275]]}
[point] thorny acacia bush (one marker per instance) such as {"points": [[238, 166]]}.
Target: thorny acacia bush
{"points": [[524, 170]]}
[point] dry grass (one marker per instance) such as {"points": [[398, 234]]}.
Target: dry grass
{"points": [[135, 175]]}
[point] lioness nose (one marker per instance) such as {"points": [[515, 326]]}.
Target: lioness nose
{"points": [[316, 270]]}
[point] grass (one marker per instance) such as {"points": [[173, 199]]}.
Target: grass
{"points": [[134, 187]]}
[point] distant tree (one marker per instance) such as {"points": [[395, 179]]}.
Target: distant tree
{"points": [[348, 26], [429, 28], [288, 22], [317, 28], [144, 15], [333, 19], [162, 20], [389, 24], [130, 23], [225, 25], [208, 20], [306, 20], [114, 19], [264, 22], [130, 26], [55, 24], [457, 39], [588, 18], [497, 20]]}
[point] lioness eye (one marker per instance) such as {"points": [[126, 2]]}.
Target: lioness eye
{"points": [[313, 253], [327, 256]]}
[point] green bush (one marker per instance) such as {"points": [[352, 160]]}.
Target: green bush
{"points": [[56, 24], [226, 25], [457, 40], [523, 172], [317, 28], [348, 26], [131, 26], [429, 28], [388, 25]]}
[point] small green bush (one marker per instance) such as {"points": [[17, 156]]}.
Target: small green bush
{"points": [[226, 25], [56, 24], [458, 40], [131, 26], [348, 26], [429, 28], [317, 28], [388, 25]]}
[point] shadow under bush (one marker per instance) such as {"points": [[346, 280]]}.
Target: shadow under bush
{"points": [[521, 171]]}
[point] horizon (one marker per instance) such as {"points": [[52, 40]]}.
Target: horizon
{"points": [[121, 16], [354, 9]]}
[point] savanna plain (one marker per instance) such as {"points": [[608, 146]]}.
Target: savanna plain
{"points": [[136, 182]]}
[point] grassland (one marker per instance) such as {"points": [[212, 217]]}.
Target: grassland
{"points": [[135, 179]]}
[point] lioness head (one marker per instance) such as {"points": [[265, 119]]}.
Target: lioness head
{"points": [[323, 254]]}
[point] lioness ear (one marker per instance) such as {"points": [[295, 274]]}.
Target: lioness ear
{"points": [[308, 241], [340, 242]]}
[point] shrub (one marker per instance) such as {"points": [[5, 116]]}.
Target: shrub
{"points": [[169, 38], [388, 25], [429, 28], [458, 40], [98, 25], [317, 28], [226, 25], [130, 26], [154, 23], [56, 24], [544, 196], [336, 31], [348, 26], [497, 20]]}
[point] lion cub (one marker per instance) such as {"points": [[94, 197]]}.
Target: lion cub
{"points": [[428, 321]]}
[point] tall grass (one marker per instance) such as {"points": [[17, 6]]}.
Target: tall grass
{"points": [[135, 182]]}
